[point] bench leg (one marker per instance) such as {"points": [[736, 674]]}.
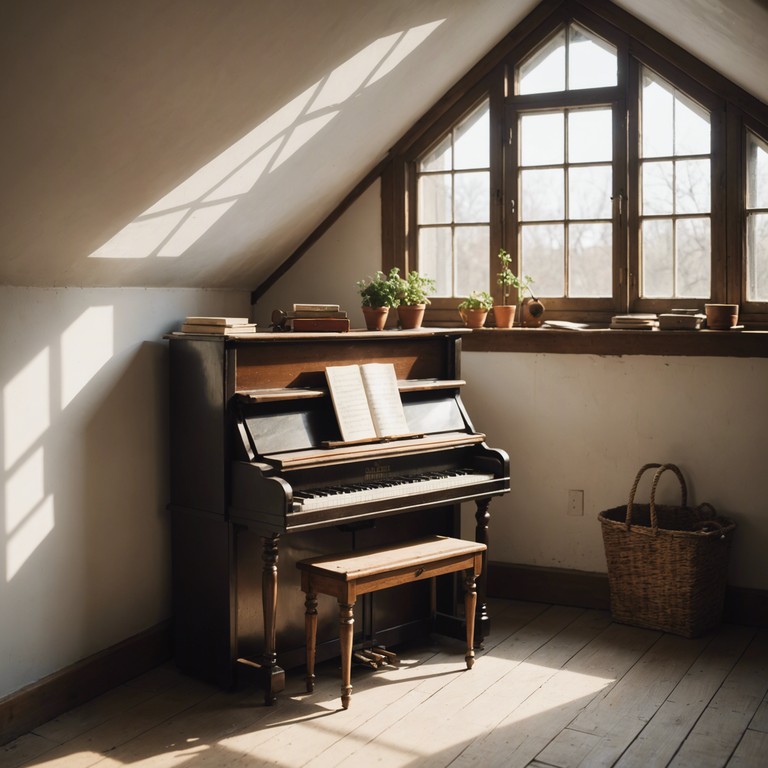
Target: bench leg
{"points": [[346, 635], [310, 627], [470, 605]]}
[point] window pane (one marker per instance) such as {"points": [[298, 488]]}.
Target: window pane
{"points": [[757, 257], [471, 141], [541, 138], [439, 159], [590, 135], [657, 259], [757, 173], [543, 258], [435, 199], [658, 198], [693, 258], [544, 71], [589, 192], [472, 197], [591, 61], [590, 255], [657, 120], [692, 186], [435, 258], [692, 131], [472, 267], [542, 195]]}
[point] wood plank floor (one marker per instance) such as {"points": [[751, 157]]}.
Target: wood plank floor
{"points": [[554, 686]]}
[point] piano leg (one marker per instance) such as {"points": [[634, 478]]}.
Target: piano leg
{"points": [[310, 624], [274, 677], [482, 619]]}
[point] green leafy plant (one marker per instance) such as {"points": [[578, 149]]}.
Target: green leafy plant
{"points": [[380, 290], [477, 300], [507, 279], [415, 289]]}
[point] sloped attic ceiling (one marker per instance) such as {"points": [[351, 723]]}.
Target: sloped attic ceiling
{"points": [[198, 143]]}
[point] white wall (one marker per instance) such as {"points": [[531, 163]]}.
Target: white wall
{"points": [[328, 272], [589, 423], [85, 555]]}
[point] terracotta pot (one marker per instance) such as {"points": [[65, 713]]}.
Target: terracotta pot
{"points": [[473, 318], [532, 313], [505, 315], [722, 317], [375, 317], [411, 315]]}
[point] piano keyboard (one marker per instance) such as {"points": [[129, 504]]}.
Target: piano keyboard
{"points": [[393, 487]]}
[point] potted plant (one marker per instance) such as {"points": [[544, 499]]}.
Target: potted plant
{"points": [[377, 295], [474, 309], [413, 298], [506, 278]]}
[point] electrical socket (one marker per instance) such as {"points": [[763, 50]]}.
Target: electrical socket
{"points": [[576, 503]]}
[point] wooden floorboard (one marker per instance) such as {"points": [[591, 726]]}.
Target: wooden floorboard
{"points": [[553, 687]]}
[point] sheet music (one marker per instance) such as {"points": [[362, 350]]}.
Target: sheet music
{"points": [[350, 402], [384, 400], [366, 400]]}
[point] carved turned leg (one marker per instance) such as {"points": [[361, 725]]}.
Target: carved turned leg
{"points": [[470, 604], [310, 625], [274, 675], [346, 634], [482, 619]]}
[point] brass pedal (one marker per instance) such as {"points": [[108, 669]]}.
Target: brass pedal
{"points": [[389, 656]]}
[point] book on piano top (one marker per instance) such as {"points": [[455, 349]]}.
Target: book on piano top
{"points": [[367, 401], [219, 330], [320, 324], [315, 308], [215, 320]]}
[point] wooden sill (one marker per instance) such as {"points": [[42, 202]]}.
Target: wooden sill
{"points": [[604, 341]]}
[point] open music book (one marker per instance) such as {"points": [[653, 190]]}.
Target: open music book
{"points": [[367, 401]]}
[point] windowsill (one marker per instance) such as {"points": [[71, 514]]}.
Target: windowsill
{"points": [[605, 341]]}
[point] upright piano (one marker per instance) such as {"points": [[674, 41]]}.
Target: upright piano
{"points": [[260, 480]]}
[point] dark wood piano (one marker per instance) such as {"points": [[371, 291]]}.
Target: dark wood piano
{"points": [[254, 490]]}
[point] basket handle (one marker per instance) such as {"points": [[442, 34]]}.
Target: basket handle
{"points": [[660, 469]]}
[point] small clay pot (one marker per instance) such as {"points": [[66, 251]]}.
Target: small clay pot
{"points": [[505, 315], [410, 315], [375, 317], [721, 317], [474, 318]]}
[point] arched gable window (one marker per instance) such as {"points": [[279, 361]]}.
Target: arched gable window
{"points": [[616, 177]]}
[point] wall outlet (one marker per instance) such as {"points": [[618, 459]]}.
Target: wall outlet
{"points": [[576, 503]]}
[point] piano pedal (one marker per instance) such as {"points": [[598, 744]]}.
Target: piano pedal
{"points": [[375, 657], [391, 658]]}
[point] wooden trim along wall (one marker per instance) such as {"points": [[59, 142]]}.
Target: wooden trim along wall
{"points": [[560, 586], [24, 710]]}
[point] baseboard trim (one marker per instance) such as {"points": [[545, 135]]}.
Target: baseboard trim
{"points": [[24, 710], [586, 589]]}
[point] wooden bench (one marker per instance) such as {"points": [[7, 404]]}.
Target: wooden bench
{"points": [[346, 576]]}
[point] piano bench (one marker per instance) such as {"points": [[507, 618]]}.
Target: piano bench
{"points": [[345, 576]]}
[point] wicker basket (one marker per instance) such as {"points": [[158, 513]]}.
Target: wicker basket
{"points": [[667, 565]]}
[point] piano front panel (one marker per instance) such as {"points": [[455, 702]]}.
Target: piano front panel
{"points": [[303, 363]]}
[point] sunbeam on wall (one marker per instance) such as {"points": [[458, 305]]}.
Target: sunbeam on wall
{"points": [[87, 344], [173, 224]]}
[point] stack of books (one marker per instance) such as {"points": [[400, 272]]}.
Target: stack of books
{"points": [[635, 322], [218, 326], [682, 320], [318, 317]]}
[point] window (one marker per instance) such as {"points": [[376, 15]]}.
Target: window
{"points": [[612, 175], [757, 219], [675, 193], [454, 207]]}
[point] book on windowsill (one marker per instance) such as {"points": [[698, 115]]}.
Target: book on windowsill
{"points": [[317, 313], [219, 330], [367, 403], [321, 324], [635, 321]]}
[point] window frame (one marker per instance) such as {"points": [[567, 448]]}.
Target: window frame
{"points": [[731, 111]]}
